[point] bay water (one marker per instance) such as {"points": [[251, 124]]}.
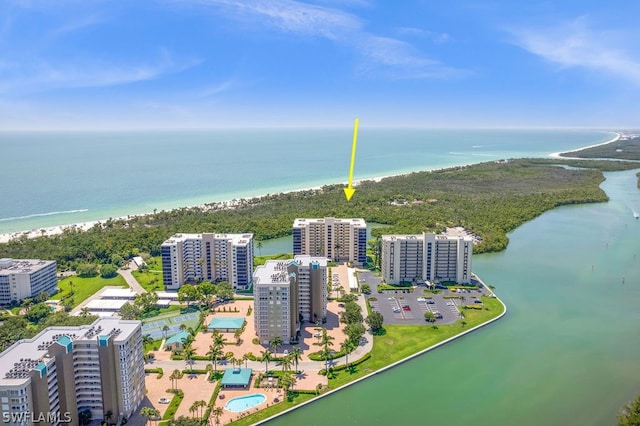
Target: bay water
{"points": [[59, 178], [566, 353]]}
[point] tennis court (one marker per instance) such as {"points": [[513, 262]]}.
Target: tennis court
{"points": [[154, 327]]}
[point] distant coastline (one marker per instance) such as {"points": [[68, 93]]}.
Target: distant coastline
{"points": [[226, 204], [560, 156]]}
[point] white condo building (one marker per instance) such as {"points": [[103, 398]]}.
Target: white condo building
{"points": [[336, 239], [287, 293], [426, 257], [188, 258], [63, 371], [22, 278]]}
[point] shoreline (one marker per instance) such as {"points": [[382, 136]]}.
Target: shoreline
{"points": [[557, 155], [50, 231]]}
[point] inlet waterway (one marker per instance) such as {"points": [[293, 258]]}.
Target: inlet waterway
{"points": [[567, 352]]}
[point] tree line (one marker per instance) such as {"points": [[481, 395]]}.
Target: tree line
{"points": [[491, 199]]}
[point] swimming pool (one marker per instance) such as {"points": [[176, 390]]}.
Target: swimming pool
{"points": [[243, 403]]}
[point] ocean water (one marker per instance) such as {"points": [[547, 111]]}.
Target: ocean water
{"points": [[566, 353], [58, 178]]}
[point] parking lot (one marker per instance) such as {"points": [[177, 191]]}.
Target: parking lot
{"points": [[408, 305]]}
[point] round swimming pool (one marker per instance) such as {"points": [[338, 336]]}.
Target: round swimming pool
{"points": [[243, 403]]}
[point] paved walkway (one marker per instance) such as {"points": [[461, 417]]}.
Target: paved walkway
{"points": [[130, 279]]}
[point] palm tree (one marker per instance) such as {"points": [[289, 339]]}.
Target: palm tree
{"points": [[175, 376], [287, 381], [189, 353], [193, 409], [245, 358], [264, 356], [217, 412], [201, 404], [107, 416], [149, 412], [286, 362], [337, 247], [165, 329], [231, 359], [259, 245], [215, 352], [296, 355], [326, 342], [147, 340], [275, 342], [218, 338], [347, 347], [84, 312]]}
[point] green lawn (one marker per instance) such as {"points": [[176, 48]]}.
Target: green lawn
{"points": [[149, 280], [85, 287], [260, 260]]}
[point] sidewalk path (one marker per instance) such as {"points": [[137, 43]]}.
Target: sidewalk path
{"points": [[130, 279]]}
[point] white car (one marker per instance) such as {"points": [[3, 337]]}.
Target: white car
{"points": [[164, 400]]}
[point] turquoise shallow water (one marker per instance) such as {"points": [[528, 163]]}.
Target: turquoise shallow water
{"points": [[56, 178], [567, 352]]}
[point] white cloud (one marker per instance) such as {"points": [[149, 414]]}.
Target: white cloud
{"points": [[379, 55], [575, 44], [33, 75]]}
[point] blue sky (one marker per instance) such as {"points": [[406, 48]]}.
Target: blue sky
{"points": [[82, 64]]}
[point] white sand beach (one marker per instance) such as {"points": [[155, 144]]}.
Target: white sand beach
{"points": [[557, 154]]}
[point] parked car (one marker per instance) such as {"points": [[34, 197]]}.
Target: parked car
{"points": [[431, 302], [406, 307], [438, 315], [164, 400]]}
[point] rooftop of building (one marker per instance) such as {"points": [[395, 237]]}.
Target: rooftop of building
{"points": [[357, 222], [274, 272], [226, 323], [236, 239], [10, 266], [236, 377], [178, 338], [106, 304], [118, 293], [24, 355], [421, 237]]}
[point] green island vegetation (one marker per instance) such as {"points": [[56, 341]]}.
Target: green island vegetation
{"points": [[623, 149], [491, 199], [630, 414]]}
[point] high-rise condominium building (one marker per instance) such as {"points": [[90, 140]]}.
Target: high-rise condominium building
{"points": [[287, 293], [22, 278], [336, 239], [210, 257], [63, 371], [426, 257]]}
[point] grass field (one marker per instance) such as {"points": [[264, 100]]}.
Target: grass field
{"points": [[85, 287], [151, 278]]}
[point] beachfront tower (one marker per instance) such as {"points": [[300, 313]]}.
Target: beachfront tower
{"points": [[22, 278], [63, 371], [426, 257], [287, 293], [191, 258], [340, 240]]}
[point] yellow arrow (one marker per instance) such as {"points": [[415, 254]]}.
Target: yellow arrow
{"points": [[349, 190]]}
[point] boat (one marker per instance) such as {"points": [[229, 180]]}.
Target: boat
{"points": [[636, 215]]}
